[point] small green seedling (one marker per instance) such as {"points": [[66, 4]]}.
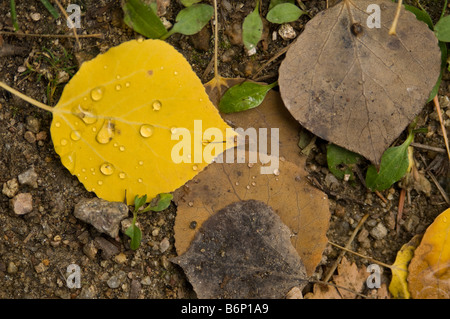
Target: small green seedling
{"points": [[284, 12], [133, 231], [244, 96], [144, 20], [252, 28]]}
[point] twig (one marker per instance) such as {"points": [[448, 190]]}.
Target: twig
{"points": [[392, 30], [439, 187], [361, 255], [444, 132], [401, 202], [20, 34], [349, 242], [428, 148], [26, 98], [381, 196], [276, 56], [67, 19]]}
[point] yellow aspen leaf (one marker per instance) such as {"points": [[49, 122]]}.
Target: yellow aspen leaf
{"points": [[429, 270], [399, 285], [131, 122]]}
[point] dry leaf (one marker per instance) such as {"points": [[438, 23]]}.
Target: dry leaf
{"points": [[352, 278], [303, 208], [243, 251], [356, 86], [429, 270], [119, 118], [399, 285]]}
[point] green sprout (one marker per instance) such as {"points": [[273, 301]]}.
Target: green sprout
{"points": [[133, 231]]}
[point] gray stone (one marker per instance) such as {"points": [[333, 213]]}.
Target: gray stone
{"points": [[12, 268], [88, 293], [116, 280], [22, 203], [379, 231], [103, 215], [29, 178], [135, 289], [164, 245], [90, 250]]}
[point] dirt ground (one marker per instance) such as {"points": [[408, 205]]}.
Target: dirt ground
{"points": [[36, 248]]}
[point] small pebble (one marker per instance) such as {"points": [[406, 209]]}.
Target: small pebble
{"points": [[12, 268], [10, 188], [379, 231], [164, 244], [29, 178], [36, 16], [22, 203], [30, 137], [287, 32]]}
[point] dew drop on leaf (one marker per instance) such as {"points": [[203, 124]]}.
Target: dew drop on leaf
{"points": [[122, 175], [106, 133], [107, 169], [118, 87], [97, 93], [75, 135], [63, 142], [146, 130], [156, 105]]}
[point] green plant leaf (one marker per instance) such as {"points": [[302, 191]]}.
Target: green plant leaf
{"points": [[244, 96], [50, 9], [273, 3], [421, 15], [252, 29], [163, 203], [394, 164], [139, 201], [142, 19], [188, 3], [283, 13], [442, 29], [12, 6], [135, 234], [191, 20], [340, 157]]}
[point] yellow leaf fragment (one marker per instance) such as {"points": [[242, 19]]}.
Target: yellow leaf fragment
{"points": [[399, 285], [429, 270], [132, 121]]}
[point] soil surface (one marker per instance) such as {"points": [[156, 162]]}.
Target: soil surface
{"points": [[36, 248]]}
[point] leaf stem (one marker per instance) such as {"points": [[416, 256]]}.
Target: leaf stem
{"points": [[26, 98], [392, 31]]}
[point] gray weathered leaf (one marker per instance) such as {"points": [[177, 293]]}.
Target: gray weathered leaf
{"points": [[355, 86], [243, 251]]}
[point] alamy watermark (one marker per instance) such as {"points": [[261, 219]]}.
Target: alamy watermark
{"points": [[209, 145]]}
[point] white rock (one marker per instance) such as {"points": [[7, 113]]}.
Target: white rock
{"points": [[22, 203]]}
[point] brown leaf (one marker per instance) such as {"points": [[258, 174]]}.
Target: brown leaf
{"points": [[243, 251], [356, 86], [303, 208]]}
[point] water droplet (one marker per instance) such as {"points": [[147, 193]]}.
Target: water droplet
{"points": [[141, 163], [195, 167], [116, 144], [63, 142], [83, 170], [146, 130], [173, 130], [156, 105], [106, 133], [97, 93], [118, 77], [175, 73], [140, 180], [122, 175], [122, 148], [107, 169], [127, 85], [444, 219], [75, 135], [57, 124], [100, 182], [105, 67], [118, 87], [87, 116]]}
